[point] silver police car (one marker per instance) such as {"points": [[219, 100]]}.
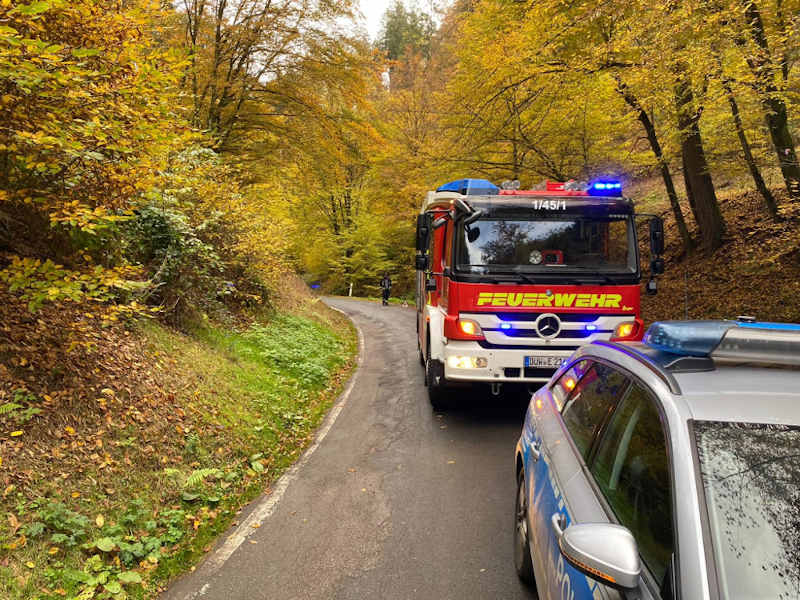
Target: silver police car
{"points": [[666, 469]]}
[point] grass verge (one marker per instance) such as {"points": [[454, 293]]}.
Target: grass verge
{"points": [[136, 488]]}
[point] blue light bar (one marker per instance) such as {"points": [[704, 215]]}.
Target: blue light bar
{"points": [[471, 187], [505, 326], [688, 338], [591, 328], [606, 188], [728, 341]]}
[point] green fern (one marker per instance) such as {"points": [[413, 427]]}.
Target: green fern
{"points": [[198, 476], [8, 407]]}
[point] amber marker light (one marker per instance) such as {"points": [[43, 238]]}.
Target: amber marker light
{"points": [[469, 327], [569, 384], [625, 330]]}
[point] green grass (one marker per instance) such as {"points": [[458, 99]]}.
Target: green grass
{"points": [[251, 401]]}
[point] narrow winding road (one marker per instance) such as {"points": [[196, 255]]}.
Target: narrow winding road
{"points": [[396, 502]]}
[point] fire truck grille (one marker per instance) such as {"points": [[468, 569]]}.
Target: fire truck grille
{"points": [[523, 331]]}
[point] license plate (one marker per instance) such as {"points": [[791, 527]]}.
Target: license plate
{"points": [[544, 362]]}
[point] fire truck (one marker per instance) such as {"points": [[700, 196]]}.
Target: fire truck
{"points": [[511, 282]]}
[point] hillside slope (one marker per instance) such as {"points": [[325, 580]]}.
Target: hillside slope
{"points": [[756, 272], [125, 449]]}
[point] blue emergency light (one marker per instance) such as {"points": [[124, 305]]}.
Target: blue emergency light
{"points": [[728, 341], [606, 188], [470, 187]]}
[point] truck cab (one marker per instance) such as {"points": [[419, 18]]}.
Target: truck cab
{"points": [[511, 282]]}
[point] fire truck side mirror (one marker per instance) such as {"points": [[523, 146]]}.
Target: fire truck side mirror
{"points": [[656, 236], [652, 287], [422, 262], [430, 284], [657, 266], [423, 232]]}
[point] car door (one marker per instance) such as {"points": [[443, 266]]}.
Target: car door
{"points": [[548, 400], [631, 469], [566, 436]]}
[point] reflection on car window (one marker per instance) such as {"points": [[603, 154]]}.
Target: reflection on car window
{"points": [[592, 400], [632, 469], [751, 476], [567, 382]]}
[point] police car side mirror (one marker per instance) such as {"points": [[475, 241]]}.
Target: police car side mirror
{"points": [[421, 262], [607, 553]]}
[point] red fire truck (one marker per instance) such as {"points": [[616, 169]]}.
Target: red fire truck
{"points": [[511, 282]]}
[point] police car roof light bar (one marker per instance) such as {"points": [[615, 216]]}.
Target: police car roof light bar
{"points": [[728, 341]]}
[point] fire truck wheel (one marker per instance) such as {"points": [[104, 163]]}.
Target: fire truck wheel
{"points": [[434, 379]]}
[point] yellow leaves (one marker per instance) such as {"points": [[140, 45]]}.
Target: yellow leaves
{"points": [[69, 430], [17, 433], [75, 495], [53, 551], [30, 564], [100, 520]]}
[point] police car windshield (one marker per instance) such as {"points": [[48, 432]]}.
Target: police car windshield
{"points": [[751, 476], [547, 245]]}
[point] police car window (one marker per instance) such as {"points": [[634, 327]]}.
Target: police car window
{"points": [[593, 398], [568, 381], [632, 469], [751, 478]]}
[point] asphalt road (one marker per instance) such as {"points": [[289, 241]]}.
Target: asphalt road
{"points": [[395, 502]]}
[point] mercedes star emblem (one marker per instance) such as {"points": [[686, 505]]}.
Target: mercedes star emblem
{"points": [[548, 326]]}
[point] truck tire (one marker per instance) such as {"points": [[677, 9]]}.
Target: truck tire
{"points": [[437, 389]]}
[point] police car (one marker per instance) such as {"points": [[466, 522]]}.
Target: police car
{"points": [[666, 469]]}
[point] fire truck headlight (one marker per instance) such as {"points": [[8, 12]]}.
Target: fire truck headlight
{"points": [[467, 362], [469, 327]]}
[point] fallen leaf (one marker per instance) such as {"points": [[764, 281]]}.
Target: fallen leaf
{"points": [[14, 522], [30, 564], [53, 550], [17, 433], [69, 430], [100, 520]]}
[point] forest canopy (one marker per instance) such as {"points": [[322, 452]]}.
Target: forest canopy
{"points": [[183, 156]]}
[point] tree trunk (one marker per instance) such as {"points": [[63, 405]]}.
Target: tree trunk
{"points": [[769, 199], [663, 166], [760, 62], [696, 172], [687, 184]]}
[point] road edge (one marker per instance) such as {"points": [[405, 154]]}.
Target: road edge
{"points": [[261, 509]]}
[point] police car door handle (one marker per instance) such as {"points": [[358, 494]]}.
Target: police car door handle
{"points": [[559, 523], [536, 450]]}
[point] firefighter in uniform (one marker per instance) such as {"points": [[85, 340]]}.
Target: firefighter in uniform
{"points": [[386, 286]]}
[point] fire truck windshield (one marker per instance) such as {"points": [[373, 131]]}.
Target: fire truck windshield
{"points": [[564, 243]]}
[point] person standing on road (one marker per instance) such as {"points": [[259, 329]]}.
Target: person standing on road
{"points": [[386, 286]]}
